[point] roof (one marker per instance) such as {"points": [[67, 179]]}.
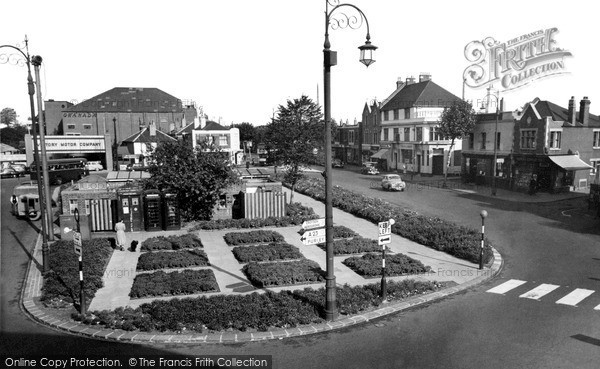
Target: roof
{"points": [[379, 154], [7, 148], [570, 162], [421, 94], [545, 108], [214, 126], [124, 176], [144, 136], [185, 130], [130, 99]]}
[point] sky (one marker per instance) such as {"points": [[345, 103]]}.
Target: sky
{"points": [[240, 60]]}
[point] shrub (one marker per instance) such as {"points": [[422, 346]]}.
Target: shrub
{"points": [[252, 237], [357, 245], [174, 283], [369, 265], [171, 243], [283, 273], [174, 259], [62, 282], [270, 252]]}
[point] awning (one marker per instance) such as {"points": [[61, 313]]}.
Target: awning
{"points": [[379, 154], [570, 162]]}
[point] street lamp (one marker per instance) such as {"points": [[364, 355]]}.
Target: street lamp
{"points": [[115, 147], [330, 59], [17, 59], [496, 142]]}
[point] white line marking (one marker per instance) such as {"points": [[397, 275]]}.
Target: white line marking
{"points": [[506, 286], [539, 291], [575, 297]]}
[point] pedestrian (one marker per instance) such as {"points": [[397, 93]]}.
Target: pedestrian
{"points": [[120, 228], [532, 186]]}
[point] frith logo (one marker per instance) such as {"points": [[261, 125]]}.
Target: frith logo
{"points": [[516, 62]]}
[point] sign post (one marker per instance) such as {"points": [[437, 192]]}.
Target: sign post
{"points": [[385, 237], [314, 231], [78, 251]]}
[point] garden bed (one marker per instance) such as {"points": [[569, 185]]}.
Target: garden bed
{"points": [[284, 273], [270, 252], [186, 282], [369, 265], [252, 237], [172, 259], [186, 241], [357, 245]]}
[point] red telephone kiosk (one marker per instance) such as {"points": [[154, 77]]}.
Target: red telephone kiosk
{"points": [[131, 208]]}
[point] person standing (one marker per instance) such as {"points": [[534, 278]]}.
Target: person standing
{"points": [[120, 228]]}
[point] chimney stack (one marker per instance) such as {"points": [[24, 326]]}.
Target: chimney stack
{"points": [[410, 80], [424, 76], [152, 128], [571, 116], [584, 111], [399, 83]]}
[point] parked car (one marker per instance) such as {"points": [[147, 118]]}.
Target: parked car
{"points": [[393, 182], [20, 168], [94, 165], [9, 172], [369, 168], [337, 163]]}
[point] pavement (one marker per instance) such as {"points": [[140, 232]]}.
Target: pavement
{"points": [[121, 271]]}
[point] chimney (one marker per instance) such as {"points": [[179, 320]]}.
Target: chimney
{"points": [[410, 80], [584, 111], [152, 128], [571, 115], [202, 121], [424, 76], [399, 83]]}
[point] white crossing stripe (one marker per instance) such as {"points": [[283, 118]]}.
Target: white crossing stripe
{"points": [[539, 291], [575, 297], [506, 286]]}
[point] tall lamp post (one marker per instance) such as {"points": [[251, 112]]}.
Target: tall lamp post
{"points": [[330, 59], [496, 142], [115, 147], [17, 59]]}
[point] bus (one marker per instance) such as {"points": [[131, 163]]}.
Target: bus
{"points": [[63, 170]]}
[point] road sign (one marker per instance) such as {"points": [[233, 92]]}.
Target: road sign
{"points": [[385, 228], [314, 223], [312, 240], [77, 242], [314, 232], [385, 239]]}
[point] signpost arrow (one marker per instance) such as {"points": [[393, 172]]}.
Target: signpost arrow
{"points": [[77, 243], [312, 240], [313, 223], [383, 240]]}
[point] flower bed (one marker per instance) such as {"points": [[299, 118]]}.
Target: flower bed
{"points": [[253, 311], [283, 273], [296, 214], [252, 237], [62, 281], [186, 282], [174, 259], [270, 252], [439, 234], [357, 245], [186, 241], [369, 265]]}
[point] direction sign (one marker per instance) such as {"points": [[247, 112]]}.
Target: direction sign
{"points": [[314, 232], [385, 239], [314, 223], [312, 240], [385, 228], [77, 242]]}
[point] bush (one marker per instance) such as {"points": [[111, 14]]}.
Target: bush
{"points": [[270, 252], [439, 234], [356, 245], [369, 265], [186, 241], [252, 237], [283, 273], [62, 281], [174, 259], [175, 283]]}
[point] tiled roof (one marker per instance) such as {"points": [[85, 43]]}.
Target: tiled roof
{"points": [[185, 130], [130, 99], [7, 148], [214, 126], [549, 109], [144, 136], [421, 94]]}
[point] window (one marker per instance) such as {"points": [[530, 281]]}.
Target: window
{"points": [[434, 134], [385, 134], [596, 164], [407, 113], [87, 126], [457, 158], [407, 134], [471, 140], [70, 126], [419, 133], [528, 138], [498, 140], [375, 137], [73, 204], [351, 137], [223, 141], [387, 115], [396, 134], [596, 143], [483, 138], [396, 114], [555, 140]]}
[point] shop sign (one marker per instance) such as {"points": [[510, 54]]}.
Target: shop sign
{"points": [[74, 144]]}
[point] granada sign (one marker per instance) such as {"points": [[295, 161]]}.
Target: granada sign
{"points": [[516, 62]]}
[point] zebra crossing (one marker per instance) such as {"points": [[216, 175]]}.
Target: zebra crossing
{"points": [[573, 298]]}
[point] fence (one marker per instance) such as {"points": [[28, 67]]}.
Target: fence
{"points": [[264, 204]]}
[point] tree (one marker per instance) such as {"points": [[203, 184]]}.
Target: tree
{"points": [[456, 122], [198, 176], [8, 116], [297, 130], [246, 131]]}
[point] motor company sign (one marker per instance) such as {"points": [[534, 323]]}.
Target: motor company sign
{"points": [[516, 62], [75, 144]]}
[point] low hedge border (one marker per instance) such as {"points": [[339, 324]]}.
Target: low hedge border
{"points": [[369, 265], [172, 259], [254, 311], [356, 245], [186, 282], [252, 237], [284, 273], [439, 234], [270, 252], [186, 241]]}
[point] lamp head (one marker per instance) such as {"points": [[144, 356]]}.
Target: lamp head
{"points": [[483, 214], [367, 53]]}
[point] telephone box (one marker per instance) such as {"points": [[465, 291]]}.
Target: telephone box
{"points": [[172, 217], [130, 208], [153, 218]]}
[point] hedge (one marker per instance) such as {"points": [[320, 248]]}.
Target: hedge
{"points": [[357, 245], [270, 252], [283, 273], [172, 259], [369, 265], [252, 237], [284, 309], [439, 234], [186, 241], [186, 282], [62, 281]]}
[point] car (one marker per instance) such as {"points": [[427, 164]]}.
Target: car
{"points": [[337, 163], [20, 168], [369, 169], [393, 182], [9, 172], [94, 165]]}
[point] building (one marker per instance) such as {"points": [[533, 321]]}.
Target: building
{"points": [[225, 139], [369, 130], [346, 145], [136, 148], [409, 138]]}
